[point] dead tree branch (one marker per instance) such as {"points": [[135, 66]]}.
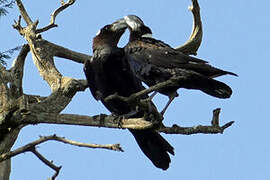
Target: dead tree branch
{"points": [[109, 121], [30, 146], [174, 81], [17, 72], [192, 45], [102, 120], [47, 162], [213, 129], [23, 12], [53, 16]]}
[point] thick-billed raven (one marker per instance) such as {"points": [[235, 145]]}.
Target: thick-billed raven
{"points": [[154, 61], [107, 73]]}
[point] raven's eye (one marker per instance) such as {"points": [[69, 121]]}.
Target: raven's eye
{"points": [[107, 27]]}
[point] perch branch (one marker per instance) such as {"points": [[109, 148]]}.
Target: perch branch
{"points": [[101, 120], [109, 121], [53, 16], [213, 129], [192, 45]]}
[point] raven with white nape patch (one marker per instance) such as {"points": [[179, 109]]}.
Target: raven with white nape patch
{"points": [[107, 73], [154, 61]]}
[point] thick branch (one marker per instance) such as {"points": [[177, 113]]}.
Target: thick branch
{"points": [[193, 43], [53, 16], [5, 146], [23, 12], [69, 54], [30, 146], [5, 75], [17, 72], [43, 53], [58, 100], [101, 120], [4, 96], [108, 121]]}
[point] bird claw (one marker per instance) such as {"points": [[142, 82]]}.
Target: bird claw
{"points": [[119, 118]]}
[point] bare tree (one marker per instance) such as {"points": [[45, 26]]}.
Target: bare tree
{"points": [[18, 109]]}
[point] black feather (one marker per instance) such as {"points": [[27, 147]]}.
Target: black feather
{"points": [[107, 73]]}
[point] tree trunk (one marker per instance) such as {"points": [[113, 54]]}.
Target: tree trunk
{"points": [[5, 146]]}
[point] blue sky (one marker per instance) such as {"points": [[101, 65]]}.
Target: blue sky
{"points": [[235, 39]]}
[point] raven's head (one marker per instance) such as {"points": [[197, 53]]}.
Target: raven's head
{"points": [[110, 34], [136, 27]]}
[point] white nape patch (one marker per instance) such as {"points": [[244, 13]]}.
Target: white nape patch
{"points": [[130, 23], [98, 33], [148, 35]]}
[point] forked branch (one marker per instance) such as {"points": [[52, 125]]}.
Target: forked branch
{"points": [[54, 14], [30, 146], [47, 162], [213, 129], [174, 81]]}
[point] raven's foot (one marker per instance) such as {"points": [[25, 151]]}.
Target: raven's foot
{"points": [[171, 98], [119, 118]]}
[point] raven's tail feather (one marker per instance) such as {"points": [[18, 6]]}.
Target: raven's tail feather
{"points": [[154, 146], [212, 87], [208, 85]]}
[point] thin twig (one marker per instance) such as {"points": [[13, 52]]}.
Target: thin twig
{"points": [[114, 147], [136, 96], [17, 25], [215, 120], [53, 16], [47, 162]]}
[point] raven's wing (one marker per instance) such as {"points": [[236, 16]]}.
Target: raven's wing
{"points": [[158, 53], [155, 52], [95, 79], [90, 77]]}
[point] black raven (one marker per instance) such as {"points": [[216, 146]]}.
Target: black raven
{"points": [[154, 61], [107, 73]]}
